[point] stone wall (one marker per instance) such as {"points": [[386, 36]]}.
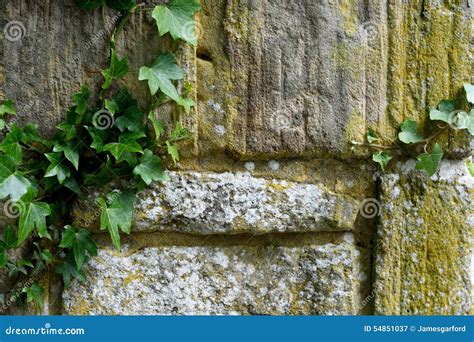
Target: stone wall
{"points": [[271, 212]]}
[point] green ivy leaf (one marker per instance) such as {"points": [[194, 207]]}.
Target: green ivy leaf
{"points": [[441, 116], [470, 167], [81, 100], [127, 143], [11, 144], [7, 107], [157, 125], [118, 68], [9, 238], [160, 74], [186, 104], [70, 152], [372, 136], [447, 106], [132, 120], [470, 126], [34, 294], [179, 132], [98, 138], [81, 243], [409, 133], [56, 168], [12, 182], [150, 169], [33, 216], [117, 213], [111, 106], [382, 158], [68, 270], [430, 161], [469, 92], [177, 18], [173, 151], [89, 4]]}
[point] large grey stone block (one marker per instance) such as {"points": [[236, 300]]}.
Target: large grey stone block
{"points": [[219, 280], [211, 203]]}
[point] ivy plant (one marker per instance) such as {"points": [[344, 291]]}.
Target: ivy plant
{"points": [[96, 144], [448, 119]]}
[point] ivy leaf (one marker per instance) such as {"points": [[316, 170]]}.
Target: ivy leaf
{"points": [[127, 143], [81, 243], [68, 269], [70, 152], [409, 133], [81, 100], [179, 132], [470, 127], [98, 138], [11, 144], [470, 167], [33, 216], [382, 158], [56, 168], [12, 182], [176, 17], [111, 106], [160, 74], [157, 126], [132, 120], [117, 213], [9, 238], [121, 5], [441, 116], [72, 185], [118, 68], [35, 293], [89, 4], [469, 92], [7, 107], [150, 169], [447, 106], [186, 104], [430, 161], [173, 151], [372, 136]]}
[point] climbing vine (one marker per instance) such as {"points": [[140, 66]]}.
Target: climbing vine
{"points": [[445, 117], [115, 139]]}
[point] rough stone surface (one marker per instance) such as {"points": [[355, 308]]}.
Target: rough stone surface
{"points": [[424, 248], [210, 203], [288, 78], [218, 280]]}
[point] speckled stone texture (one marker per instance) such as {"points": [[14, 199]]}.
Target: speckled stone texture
{"points": [[212, 203], [423, 263], [219, 280]]}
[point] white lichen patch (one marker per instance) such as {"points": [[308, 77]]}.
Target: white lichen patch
{"points": [[227, 202], [217, 280]]}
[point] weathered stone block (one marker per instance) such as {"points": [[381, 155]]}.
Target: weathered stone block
{"points": [[314, 279], [211, 203], [287, 78], [424, 248]]}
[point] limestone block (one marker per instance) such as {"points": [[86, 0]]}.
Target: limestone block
{"points": [[314, 279], [424, 249], [285, 78], [211, 203]]}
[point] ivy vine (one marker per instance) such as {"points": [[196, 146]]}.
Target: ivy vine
{"points": [[446, 118], [94, 146]]}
